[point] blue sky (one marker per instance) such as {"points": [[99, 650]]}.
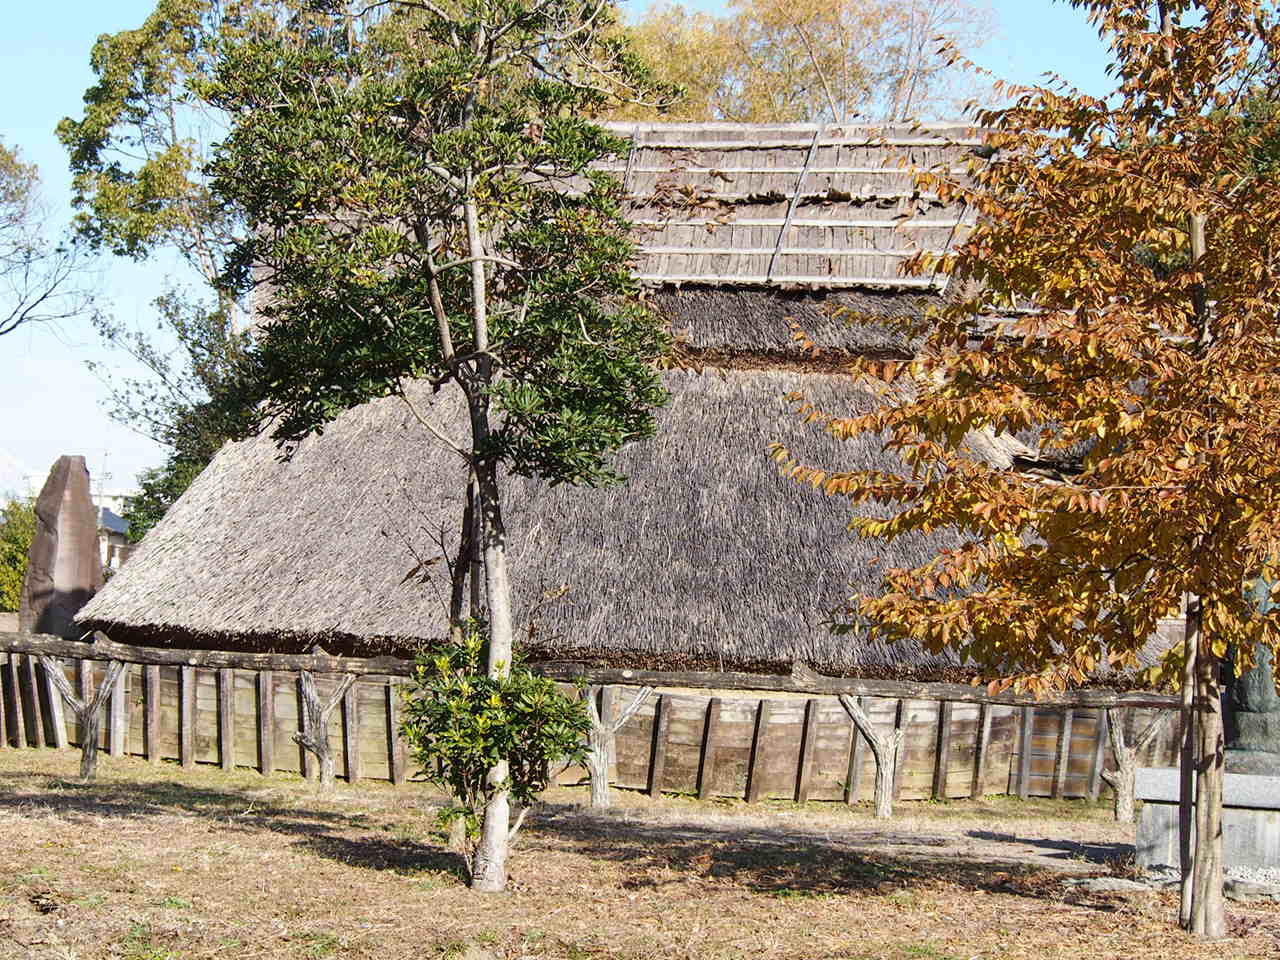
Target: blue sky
{"points": [[51, 404]]}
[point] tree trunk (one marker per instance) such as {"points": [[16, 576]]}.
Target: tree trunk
{"points": [[600, 739], [490, 873], [1208, 916], [315, 724], [1187, 758], [88, 710]]}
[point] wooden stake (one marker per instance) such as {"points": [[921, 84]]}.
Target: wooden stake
{"points": [[857, 760], [755, 773], [1064, 754], [351, 734], [226, 718], [661, 723], [808, 746], [901, 720], [397, 752], [980, 751], [19, 725], [151, 711], [266, 722], [942, 752], [1024, 760], [37, 713], [1099, 756], [707, 764], [187, 716]]}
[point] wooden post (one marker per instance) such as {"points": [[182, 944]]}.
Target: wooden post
{"points": [[118, 715], [306, 760], [57, 722], [187, 716], [857, 760], [1064, 754], [351, 734], [942, 753], [980, 751], [707, 764], [901, 720], [661, 723], [266, 722], [395, 742], [808, 746], [755, 772], [226, 718], [37, 713], [1024, 759], [151, 711], [20, 738], [1099, 756]]}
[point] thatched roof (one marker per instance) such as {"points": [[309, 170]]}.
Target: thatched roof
{"points": [[791, 205], [705, 556]]}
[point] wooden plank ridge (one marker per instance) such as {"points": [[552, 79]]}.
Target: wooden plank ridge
{"points": [[806, 681], [103, 648]]}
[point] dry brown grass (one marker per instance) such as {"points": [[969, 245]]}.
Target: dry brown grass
{"points": [[152, 863]]}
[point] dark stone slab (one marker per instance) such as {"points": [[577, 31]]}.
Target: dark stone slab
{"points": [[64, 567]]}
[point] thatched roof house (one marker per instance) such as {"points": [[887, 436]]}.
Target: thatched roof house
{"points": [[706, 556]]}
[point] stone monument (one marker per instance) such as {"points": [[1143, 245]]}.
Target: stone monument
{"points": [[1252, 714], [64, 567]]}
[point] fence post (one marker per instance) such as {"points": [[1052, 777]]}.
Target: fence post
{"points": [[980, 750], [808, 746], [661, 723], [755, 774], [707, 762], [266, 722], [151, 711], [942, 753], [187, 716]]}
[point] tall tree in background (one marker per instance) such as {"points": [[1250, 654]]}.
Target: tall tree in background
{"points": [[1121, 285], [17, 530], [41, 281], [420, 180], [777, 61], [137, 159]]}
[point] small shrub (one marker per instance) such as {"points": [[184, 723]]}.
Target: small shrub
{"points": [[459, 723]]}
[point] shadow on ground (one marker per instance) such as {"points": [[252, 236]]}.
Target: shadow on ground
{"points": [[650, 852]]}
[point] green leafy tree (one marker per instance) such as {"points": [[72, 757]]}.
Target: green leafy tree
{"points": [[1117, 297], [421, 182], [460, 723], [17, 530], [137, 157]]}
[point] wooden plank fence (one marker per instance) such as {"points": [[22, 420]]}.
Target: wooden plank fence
{"points": [[709, 735]]}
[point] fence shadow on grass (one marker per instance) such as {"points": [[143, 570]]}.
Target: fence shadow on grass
{"points": [[787, 862]]}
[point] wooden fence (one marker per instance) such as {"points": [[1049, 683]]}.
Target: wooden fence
{"points": [[728, 735]]}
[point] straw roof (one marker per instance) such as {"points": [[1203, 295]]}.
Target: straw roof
{"points": [[705, 557]]}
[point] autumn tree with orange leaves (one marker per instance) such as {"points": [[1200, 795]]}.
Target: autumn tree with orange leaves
{"points": [[1117, 298]]}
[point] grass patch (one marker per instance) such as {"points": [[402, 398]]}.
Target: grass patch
{"points": [[156, 863]]}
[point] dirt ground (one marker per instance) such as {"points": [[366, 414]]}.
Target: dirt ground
{"points": [[153, 863]]}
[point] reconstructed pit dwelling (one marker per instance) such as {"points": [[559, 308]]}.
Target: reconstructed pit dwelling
{"points": [[705, 558]]}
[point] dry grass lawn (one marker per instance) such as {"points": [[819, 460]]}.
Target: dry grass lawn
{"points": [[151, 863]]}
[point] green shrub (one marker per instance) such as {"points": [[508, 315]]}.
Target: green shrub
{"points": [[17, 530], [459, 723]]}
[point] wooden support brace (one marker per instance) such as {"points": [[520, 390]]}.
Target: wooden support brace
{"points": [[710, 736], [88, 711], [20, 732], [226, 718]]}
